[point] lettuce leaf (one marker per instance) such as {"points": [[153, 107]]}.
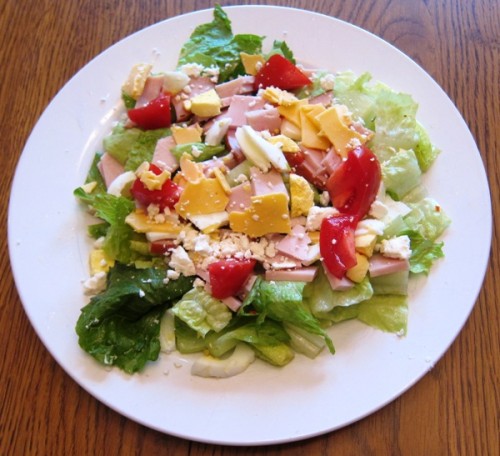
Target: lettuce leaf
{"points": [[283, 301], [120, 326], [424, 252], [133, 146], [113, 210], [427, 218], [214, 45], [206, 151], [386, 312], [202, 312], [401, 173], [280, 47]]}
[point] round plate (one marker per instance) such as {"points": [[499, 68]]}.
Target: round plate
{"points": [[49, 248]]}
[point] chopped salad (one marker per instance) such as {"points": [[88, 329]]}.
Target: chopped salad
{"points": [[245, 203]]}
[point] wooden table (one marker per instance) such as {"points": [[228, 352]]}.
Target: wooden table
{"points": [[454, 409]]}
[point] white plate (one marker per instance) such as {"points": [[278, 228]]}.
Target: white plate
{"points": [[48, 249]]}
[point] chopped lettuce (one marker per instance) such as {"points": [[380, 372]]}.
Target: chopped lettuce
{"points": [[133, 146], [401, 173], [201, 312], [386, 312], [94, 175], [322, 299], [121, 325], [199, 151], [280, 47], [427, 218], [113, 210], [424, 252], [214, 45], [283, 301]]}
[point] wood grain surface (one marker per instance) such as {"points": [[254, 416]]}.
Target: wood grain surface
{"points": [[453, 410]]}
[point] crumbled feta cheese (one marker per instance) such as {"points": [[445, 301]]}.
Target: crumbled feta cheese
{"points": [[324, 198], [396, 247], [327, 81], [316, 215], [192, 69], [95, 284], [180, 261]]}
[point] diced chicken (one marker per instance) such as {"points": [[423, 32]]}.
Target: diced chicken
{"points": [[162, 157], [110, 168], [380, 265], [239, 199], [152, 88], [264, 119], [294, 275], [240, 105], [295, 244], [266, 183], [238, 86]]}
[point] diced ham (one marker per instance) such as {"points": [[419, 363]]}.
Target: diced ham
{"points": [[264, 119], [110, 168], [281, 261], [381, 265], [294, 275], [231, 141], [295, 244], [331, 161], [247, 287], [195, 87], [313, 166], [232, 303], [240, 105], [239, 199], [152, 88], [211, 164], [162, 157], [266, 183], [342, 284], [233, 159], [238, 86], [325, 99]]}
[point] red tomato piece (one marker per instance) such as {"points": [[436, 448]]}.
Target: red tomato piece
{"points": [[336, 244], [166, 196], [227, 277], [155, 114], [161, 246], [354, 184], [280, 72]]}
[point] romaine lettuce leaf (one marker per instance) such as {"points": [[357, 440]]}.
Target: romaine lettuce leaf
{"points": [[133, 146], [113, 210], [401, 173], [427, 218], [283, 301], [121, 325], [202, 312], [214, 45], [424, 252], [386, 312]]}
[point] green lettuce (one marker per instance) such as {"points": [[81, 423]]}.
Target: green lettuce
{"points": [[206, 151], [202, 312], [94, 175], [113, 210], [280, 47], [133, 146], [427, 218], [121, 325], [283, 301], [424, 252], [401, 173], [214, 45]]}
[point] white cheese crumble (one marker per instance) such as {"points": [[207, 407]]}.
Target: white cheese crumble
{"points": [[180, 262], [327, 82], [316, 215], [95, 284], [396, 247]]}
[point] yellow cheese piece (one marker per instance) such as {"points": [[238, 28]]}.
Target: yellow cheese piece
{"points": [[187, 135], [313, 236], [267, 214], [357, 273], [219, 175], [206, 104], [292, 112], [310, 131], [334, 123], [134, 85], [365, 244], [287, 144], [204, 197], [99, 262], [252, 62], [141, 223], [279, 97], [154, 181], [301, 196], [190, 171]]}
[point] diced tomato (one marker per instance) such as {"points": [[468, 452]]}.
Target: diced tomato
{"points": [[280, 72], [336, 244], [294, 159], [155, 114], [227, 277], [161, 246], [354, 183], [166, 196]]}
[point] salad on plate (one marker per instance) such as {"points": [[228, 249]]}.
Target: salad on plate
{"points": [[245, 204]]}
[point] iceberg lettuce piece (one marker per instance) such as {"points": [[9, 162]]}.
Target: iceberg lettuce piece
{"points": [[401, 173], [424, 253], [201, 312], [427, 218], [386, 312]]}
